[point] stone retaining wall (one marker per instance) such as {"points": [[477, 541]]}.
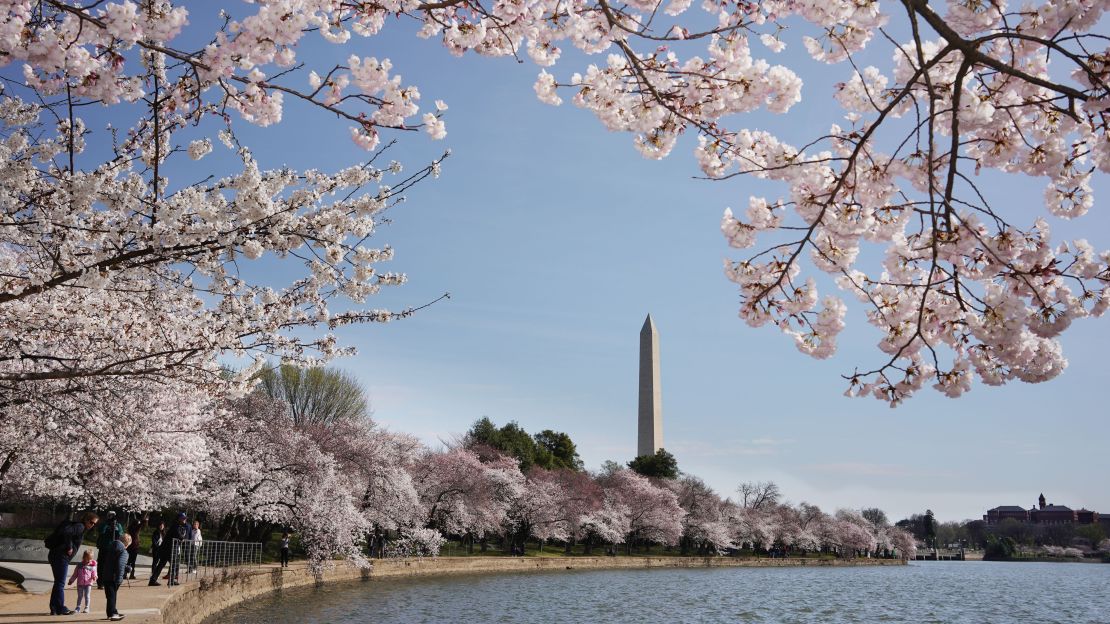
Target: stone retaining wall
{"points": [[465, 565], [197, 604]]}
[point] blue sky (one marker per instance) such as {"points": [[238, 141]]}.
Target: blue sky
{"points": [[555, 239]]}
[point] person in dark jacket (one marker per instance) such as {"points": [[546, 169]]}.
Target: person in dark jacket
{"points": [[175, 551], [109, 532], [158, 558], [114, 560], [66, 541]]}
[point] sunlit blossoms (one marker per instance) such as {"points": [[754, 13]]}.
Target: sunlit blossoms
{"points": [[119, 278]]}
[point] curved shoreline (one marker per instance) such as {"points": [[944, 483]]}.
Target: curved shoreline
{"points": [[200, 603]]}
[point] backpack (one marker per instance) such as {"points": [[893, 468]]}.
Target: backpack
{"points": [[57, 538]]}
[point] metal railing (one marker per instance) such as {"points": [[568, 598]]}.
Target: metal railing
{"points": [[192, 559]]}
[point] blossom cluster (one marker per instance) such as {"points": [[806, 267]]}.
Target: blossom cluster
{"points": [[964, 289]]}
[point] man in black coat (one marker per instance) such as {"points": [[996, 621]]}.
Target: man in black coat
{"points": [[63, 543], [114, 569], [175, 551]]}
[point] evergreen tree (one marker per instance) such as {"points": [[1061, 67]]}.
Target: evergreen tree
{"points": [[661, 465]]}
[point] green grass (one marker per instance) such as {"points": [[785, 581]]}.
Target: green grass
{"points": [[38, 534]]}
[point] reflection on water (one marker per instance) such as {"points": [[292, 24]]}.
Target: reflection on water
{"points": [[920, 593]]}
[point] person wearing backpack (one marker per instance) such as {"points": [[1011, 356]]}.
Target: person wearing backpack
{"points": [[61, 544]]}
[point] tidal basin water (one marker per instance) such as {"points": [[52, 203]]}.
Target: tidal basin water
{"points": [[922, 592]]}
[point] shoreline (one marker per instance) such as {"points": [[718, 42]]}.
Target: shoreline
{"points": [[200, 605], [200, 601], [1045, 560]]}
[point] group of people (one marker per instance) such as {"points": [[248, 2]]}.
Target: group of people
{"points": [[162, 548], [117, 552]]}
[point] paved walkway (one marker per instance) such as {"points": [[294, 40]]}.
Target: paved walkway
{"points": [[139, 602], [37, 578]]}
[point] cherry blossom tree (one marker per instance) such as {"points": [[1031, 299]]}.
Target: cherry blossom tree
{"points": [[461, 495], [416, 542], [705, 527], [378, 465], [142, 445], [754, 527], [903, 542], [539, 511], [263, 469], [853, 534], [608, 524], [109, 266], [653, 512], [581, 496]]}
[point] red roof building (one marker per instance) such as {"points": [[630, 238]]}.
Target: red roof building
{"points": [[1043, 513]]}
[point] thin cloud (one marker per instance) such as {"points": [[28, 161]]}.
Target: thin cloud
{"points": [[729, 448], [866, 469]]}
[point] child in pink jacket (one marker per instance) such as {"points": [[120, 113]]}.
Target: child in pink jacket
{"points": [[85, 575]]}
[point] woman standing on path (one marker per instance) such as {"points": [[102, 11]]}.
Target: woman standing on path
{"points": [[63, 542]]}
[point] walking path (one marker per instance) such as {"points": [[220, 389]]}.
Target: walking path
{"points": [[138, 602]]}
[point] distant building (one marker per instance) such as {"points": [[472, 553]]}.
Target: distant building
{"points": [[1042, 513], [1053, 514], [1086, 516], [1013, 512]]}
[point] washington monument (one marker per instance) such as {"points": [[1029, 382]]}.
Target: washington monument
{"points": [[651, 393]]}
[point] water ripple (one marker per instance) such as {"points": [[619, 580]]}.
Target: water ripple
{"points": [[921, 593]]}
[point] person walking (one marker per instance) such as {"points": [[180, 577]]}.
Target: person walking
{"points": [[109, 532], [61, 544], [134, 529], [112, 572], [157, 552], [85, 575], [285, 549]]}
